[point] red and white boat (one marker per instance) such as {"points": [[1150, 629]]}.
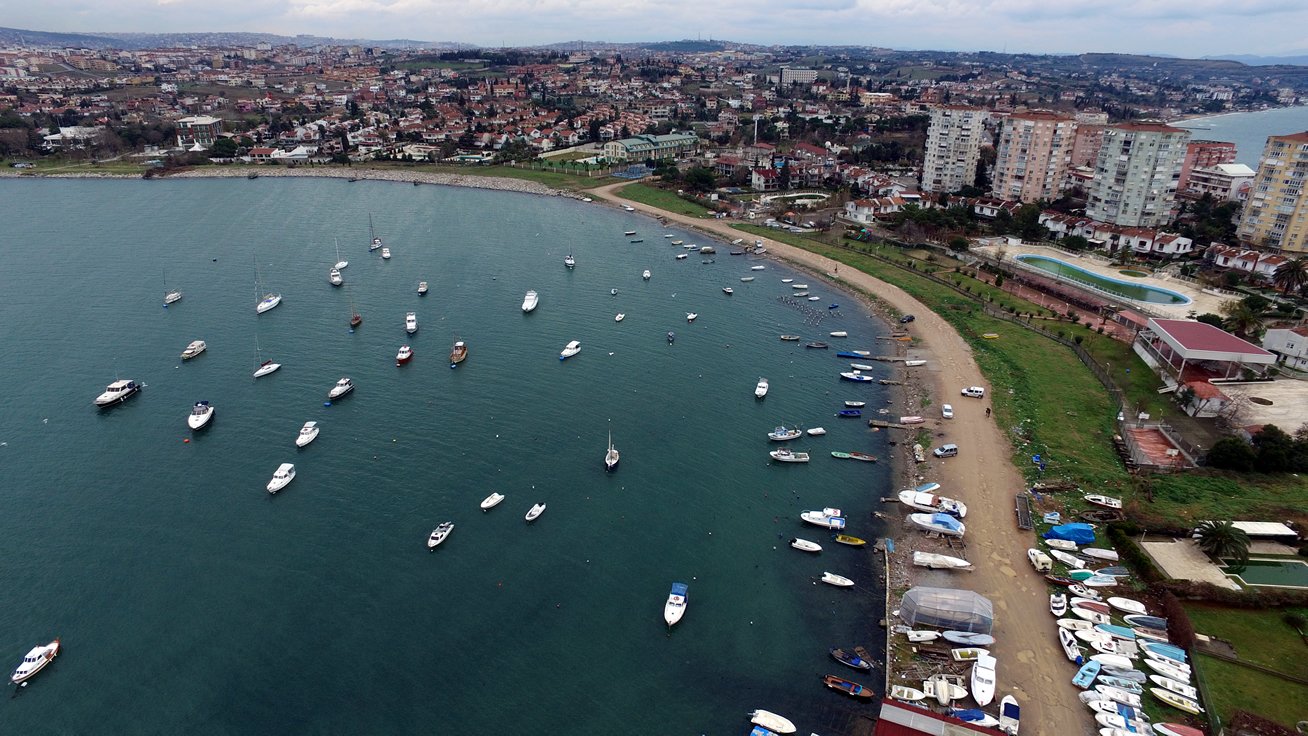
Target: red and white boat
{"points": [[34, 661], [404, 356]]}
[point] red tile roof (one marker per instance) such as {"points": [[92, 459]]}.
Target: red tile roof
{"points": [[1203, 336]]}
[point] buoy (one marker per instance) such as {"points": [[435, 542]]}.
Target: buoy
{"points": [[186, 440]]}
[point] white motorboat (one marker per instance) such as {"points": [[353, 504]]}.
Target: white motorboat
{"points": [[570, 350], [1100, 553], [284, 475], [611, 456], [771, 721], [803, 545], [268, 302], [783, 434], [619, 316], [34, 661], [681, 256], [342, 387], [757, 268], [983, 680], [839, 333], [569, 261], [1127, 605], [1070, 560], [1010, 715], [1058, 604], [935, 561], [761, 388], [491, 501], [746, 279], [530, 301], [816, 432], [856, 376], [939, 523], [861, 367], [422, 288], [840, 581], [1068, 640], [535, 512], [785, 455], [334, 277], [403, 355], [675, 607], [171, 296], [265, 368], [798, 287], [116, 392], [787, 281], [386, 254], [411, 322], [932, 502], [690, 316], [728, 290], [1105, 501], [439, 534], [824, 518], [308, 433], [195, 348], [1064, 544], [613, 292], [628, 208], [645, 274], [201, 415]]}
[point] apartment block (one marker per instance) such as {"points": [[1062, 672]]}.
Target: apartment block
{"points": [[1085, 146], [1204, 155], [1032, 156], [1136, 174], [1276, 215], [953, 147]]}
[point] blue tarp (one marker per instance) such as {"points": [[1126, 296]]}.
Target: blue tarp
{"points": [[1078, 533]]}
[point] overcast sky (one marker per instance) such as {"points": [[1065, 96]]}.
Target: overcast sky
{"points": [[1178, 27]]}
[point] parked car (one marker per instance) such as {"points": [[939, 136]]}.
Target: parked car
{"points": [[976, 392], [947, 411], [949, 450], [906, 319]]}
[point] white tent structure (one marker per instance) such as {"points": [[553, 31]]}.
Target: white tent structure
{"points": [[948, 608]]}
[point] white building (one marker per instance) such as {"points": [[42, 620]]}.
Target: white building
{"points": [[1289, 345], [1136, 174], [1223, 182], [953, 147]]}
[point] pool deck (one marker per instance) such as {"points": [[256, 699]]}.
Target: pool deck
{"points": [[1201, 303], [1182, 559]]}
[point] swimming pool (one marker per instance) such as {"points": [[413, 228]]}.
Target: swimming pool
{"points": [[1125, 289], [1282, 573]]}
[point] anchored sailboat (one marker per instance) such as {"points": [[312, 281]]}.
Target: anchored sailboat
{"points": [[375, 241], [611, 457], [262, 367]]}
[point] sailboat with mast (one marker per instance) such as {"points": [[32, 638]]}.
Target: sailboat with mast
{"points": [[171, 296], [376, 242], [356, 319], [262, 367], [267, 300], [611, 457], [340, 264]]}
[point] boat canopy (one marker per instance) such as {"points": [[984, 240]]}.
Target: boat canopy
{"points": [[679, 589], [1078, 533], [947, 521], [947, 608]]}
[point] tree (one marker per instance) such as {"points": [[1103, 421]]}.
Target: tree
{"points": [[223, 148], [1075, 242], [1223, 539], [1231, 453], [1291, 275], [1277, 452], [1241, 318], [1209, 318], [783, 176], [700, 179]]}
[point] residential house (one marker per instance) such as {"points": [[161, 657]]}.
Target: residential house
{"points": [[1290, 346]]}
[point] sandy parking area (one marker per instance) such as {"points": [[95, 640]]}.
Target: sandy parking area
{"points": [[1031, 664]]}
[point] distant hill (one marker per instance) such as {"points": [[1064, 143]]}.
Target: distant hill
{"points": [[1253, 60], [17, 36]]}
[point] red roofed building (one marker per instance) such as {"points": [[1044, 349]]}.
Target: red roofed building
{"points": [[899, 719], [1184, 350]]}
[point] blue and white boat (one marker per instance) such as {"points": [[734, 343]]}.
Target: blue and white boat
{"points": [[968, 638], [1010, 715], [1166, 651], [856, 376], [1117, 632], [851, 412], [939, 523], [675, 608], [1156, 623], [847, 354], [1085, 676], [976, 717], [824, 518]]}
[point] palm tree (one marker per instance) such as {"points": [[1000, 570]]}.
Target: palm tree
{"points": [[1223, 539], [1291, 275], [1241, 318]]}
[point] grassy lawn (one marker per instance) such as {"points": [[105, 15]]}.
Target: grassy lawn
{"points": [[554, 179], [55, 166], [1232, 687], [661, 198], [1259, 636], [1214, 494]]}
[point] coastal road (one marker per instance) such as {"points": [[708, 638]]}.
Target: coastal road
{"points": [[1031, 664]]}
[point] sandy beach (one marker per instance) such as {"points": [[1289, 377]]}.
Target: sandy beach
{"points": [[1031, 666]]}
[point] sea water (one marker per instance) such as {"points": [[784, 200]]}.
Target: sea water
{"points": [[1248, 130], [188, 600]]}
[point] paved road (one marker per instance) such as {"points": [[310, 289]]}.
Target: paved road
{"points": [[1031, 664]]}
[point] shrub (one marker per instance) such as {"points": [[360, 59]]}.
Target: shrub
{"points": [[1231, 453], [1180, 629]]}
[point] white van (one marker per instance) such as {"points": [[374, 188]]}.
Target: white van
{"points": [[949, 450], [976, 392]]}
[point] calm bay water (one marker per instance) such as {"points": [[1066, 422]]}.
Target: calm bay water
{"points": [[1248, 130], [189, 601]]}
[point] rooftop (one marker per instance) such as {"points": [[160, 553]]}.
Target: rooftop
{"points": [[1202, 341]]}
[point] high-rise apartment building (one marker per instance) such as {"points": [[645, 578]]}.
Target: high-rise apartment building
{"points": [[1085, 148], [1204, 155], [953, 147], [1136, 173], [1276, 215], [1032, 156]]}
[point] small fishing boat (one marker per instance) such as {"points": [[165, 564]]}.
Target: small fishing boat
{"points": [[308, 433], [782, 434], [824, 518], [672, 337], [728, 290], [816, 345], [491, 501], [34, 661], [746, 279], [771, 721], [839, 333], [1071, 561], [850, 413], [439, 534], [815, 298], [1075, 624], [861, 367], [1179, 702], [535, 512], [569, 261], [1176, 686], [975, 716], [934, 561], [1091, 616], [1100, 553], [530, 301], [629, 232], [619, 316], [815, 432], [791, 338], [856, 376], [342, 387], [1068, 641], [787, 281], [422, 288], [681, 256], [677, 242], [1166, 651], [907, 694], [914, 363], [1176, 729], [1058, 603], [386, 254], [201, 415], [570, 350], [675, 607], [968, 638], [983, 679], [1010, 715], [785, 455], [849, 541], [855, 404], [195, 348], [613, 292], [334, 277], [1057, 580], [840, 581], [1081, 591], [1063, 544], [458, 352], [968, 654], [803, 545], [761, 390], [757, 268], [645, 274], [1167, 668], [690, 316], [1149, 622], [848, 687], [411, 322], [1105, 501], [849, 659], [1090, 605], [799, 294], [403, 355], [931, 502], [1085, 676], [284, 474], [862, 457], [939, 523], [1126, 605], [1116, 571]]}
